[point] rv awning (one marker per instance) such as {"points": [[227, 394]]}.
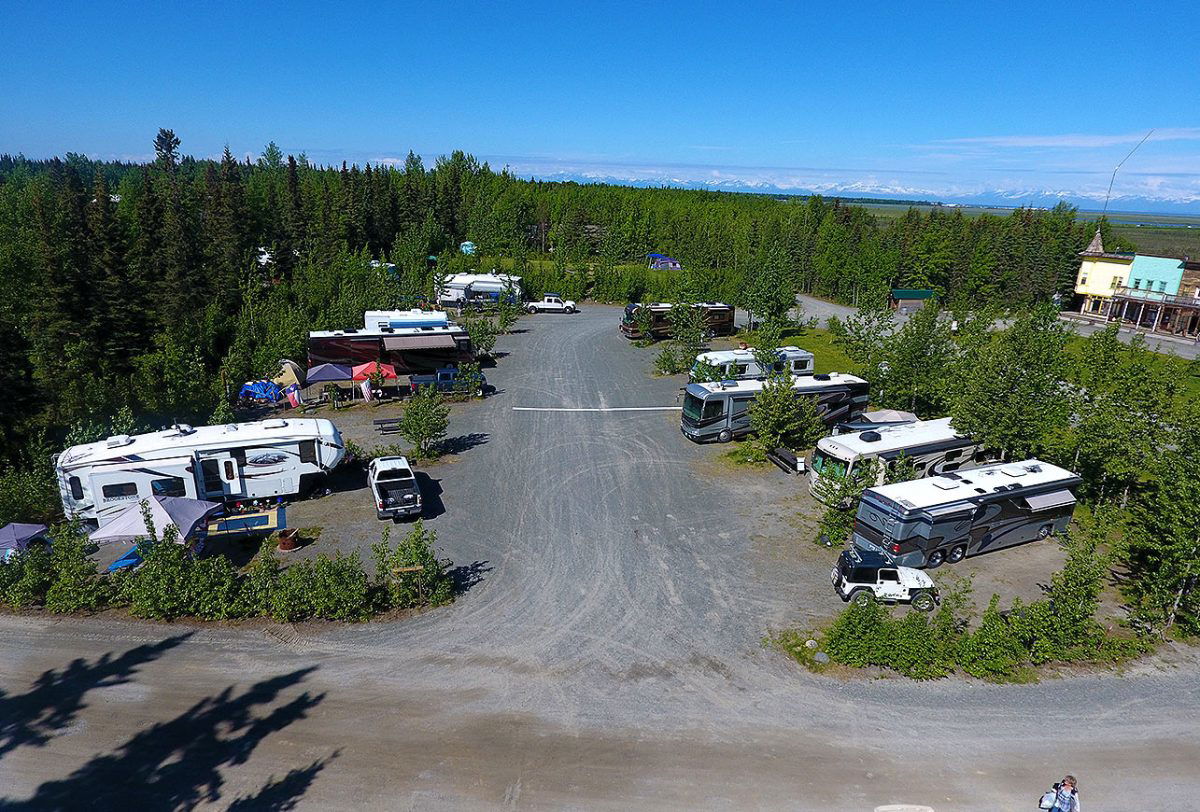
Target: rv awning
{"points": [[1046, 501], [418, 342]]}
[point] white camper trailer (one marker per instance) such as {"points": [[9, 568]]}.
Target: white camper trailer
{"points": [[464, 288], [235, 462], [738, 365], [932, 446]]}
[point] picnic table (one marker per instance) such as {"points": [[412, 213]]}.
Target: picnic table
{"points": [[388, 425]]}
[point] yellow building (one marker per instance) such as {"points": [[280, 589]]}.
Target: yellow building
{"points": [[1100, 274]]}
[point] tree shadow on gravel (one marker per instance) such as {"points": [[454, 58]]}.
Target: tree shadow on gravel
{"points": [[466, 576], [56, 698], [463, 442], [177, 764]]}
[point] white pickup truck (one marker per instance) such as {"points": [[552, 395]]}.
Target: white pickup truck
{"points": [[394, 487], [551, 303]]}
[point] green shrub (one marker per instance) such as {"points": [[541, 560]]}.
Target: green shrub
{"points": [[76, 586], [258, 583], [858, 635], [29, 578], [291, 595], [339, 588], [159, 588], [992, 651], [430, 585], [213, 588]]}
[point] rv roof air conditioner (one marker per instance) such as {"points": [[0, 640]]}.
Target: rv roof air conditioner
{"points": [[180, 430], [870, 437], [118, 440]]}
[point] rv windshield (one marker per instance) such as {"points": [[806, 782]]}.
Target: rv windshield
{"points": [[826, 465], [692, 407]]}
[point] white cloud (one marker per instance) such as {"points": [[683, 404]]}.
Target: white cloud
{"points": [[1076, 140]]}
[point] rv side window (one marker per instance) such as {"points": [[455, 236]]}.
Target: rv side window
{"points": [[740, 405], [229, 470], [120, 490], [739, 369], [951, 456], [778, 366], [981, 455], [171, 486], [76, 487], [713, 408], [800, 364], [308, 451]]}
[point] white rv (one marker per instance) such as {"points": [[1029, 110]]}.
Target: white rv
{"points": [[403, 319], [720, 411], [737, 365], [932, 446], [463, 288], [231, 463]]}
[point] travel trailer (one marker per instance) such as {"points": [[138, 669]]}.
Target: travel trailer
{"points": [[721, 411], [737, 365], [932, 446], [462, 289], [230, 463], [380, 319], [926, 522], [718, 319], [408, 349]]}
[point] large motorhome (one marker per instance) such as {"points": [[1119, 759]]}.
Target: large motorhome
{"points": [[737, 365], [408, 349], [721, 411], [718, 319], [932, 446], [925, 522], [230, 463]]}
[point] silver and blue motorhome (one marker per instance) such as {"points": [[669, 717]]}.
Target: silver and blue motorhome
{"points": [[721, 411], [925, 522], [230, 463], [739, 365], [932, 447]]}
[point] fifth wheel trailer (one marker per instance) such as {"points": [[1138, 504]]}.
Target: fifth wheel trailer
{"points": [[230, 463], [925, 522]]}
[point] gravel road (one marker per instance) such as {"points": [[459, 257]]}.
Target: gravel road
{"points": [[606, 654]]}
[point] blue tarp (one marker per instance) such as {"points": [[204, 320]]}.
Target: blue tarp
{"points": [[260, 390], [663, 262]]}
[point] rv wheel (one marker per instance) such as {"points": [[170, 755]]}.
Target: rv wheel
{"points": [[725, 436], [1044, 531], [957, 554], [935, 559], [862, 597]]}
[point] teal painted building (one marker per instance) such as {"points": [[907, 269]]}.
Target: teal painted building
{"points": [[1155, 275]]}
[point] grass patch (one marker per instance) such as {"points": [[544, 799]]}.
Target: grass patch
{"points": [[817, 340], [794, 644], [745, 453]]}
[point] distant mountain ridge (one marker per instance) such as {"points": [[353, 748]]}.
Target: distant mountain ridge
{"points": [[1040, 198]]}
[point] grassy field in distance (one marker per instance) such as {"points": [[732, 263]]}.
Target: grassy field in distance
{"points": [[1170, 235]]}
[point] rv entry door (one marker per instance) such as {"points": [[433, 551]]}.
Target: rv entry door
{"points": [[222, 476]]}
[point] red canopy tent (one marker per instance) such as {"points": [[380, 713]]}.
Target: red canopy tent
{"points": [[364, 371]]}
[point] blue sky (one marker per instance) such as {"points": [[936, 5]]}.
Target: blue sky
{"points": [[934, 100]]}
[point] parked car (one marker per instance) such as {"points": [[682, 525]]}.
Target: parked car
{"points": [[551, 303], [448, 379], [394, 486], [863, 577]]}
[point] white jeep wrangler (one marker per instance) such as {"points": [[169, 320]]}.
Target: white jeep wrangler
{"points": [[863, 577], [551, 303]]}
